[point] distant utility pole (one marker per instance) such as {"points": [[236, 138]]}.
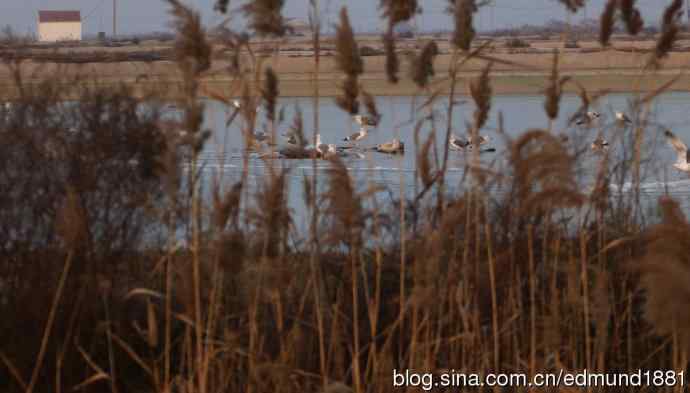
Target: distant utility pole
{"points": [[114, 18]]}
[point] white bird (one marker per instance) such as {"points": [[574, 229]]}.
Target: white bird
{"points": [[467, 143], [366, 120], [358, 136], [683, 161], [600, 145], [623, 118], [588, 118], [457, 143]]}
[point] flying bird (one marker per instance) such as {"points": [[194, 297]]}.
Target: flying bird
{"points": [[366, 120], [358, 136], [683, 161]]}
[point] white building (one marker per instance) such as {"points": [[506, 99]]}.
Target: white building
{"points": [[298, 27], [59, 26]]}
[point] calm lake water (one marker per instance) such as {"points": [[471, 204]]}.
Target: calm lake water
{"points": [[223, 154]]}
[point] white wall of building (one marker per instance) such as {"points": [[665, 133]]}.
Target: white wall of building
{"points": [[59, 31]]}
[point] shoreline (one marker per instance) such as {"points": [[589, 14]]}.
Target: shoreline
{"points": [[503, 83], [512, 74]]}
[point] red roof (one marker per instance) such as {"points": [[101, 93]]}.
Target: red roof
{"points": [[59, 16]]}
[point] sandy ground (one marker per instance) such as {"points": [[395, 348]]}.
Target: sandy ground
{"points": [[617, 69]]}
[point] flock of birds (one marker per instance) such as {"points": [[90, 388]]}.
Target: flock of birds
{"points": [[600, 144], [296, 147]]}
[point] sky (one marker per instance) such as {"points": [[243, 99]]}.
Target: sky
{"points": [[142, 16]]}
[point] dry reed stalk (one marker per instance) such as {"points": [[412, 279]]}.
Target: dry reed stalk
{"points": [[392, 60], [226, 209], [532, 302], [221, 6], [427, 175], [463, 12], [664, 270], [631, 16], [192, 49], [601, 314], [349, 62], [543, 174], [193, 54], [270, 94], [554, 91], [607, 22], [669, 33], [494, 295], [481, 92], [584, 279], [397, 11], [422, 66], [49, 323], [265, 17], [370, 105]]}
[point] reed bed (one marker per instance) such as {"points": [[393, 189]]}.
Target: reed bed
{"points": [[116, 274]]}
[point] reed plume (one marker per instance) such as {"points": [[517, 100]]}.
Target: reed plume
{"points": [[392, 60], [554, 90], [543, 173], [347, 57], [669, 32], [265, 17], [192, 49], [463, 13], [370, 105], [234, 42], [297, 127], [271, 214], [343, 209], [226, 209], [422, 67], [665, 271], [349, 61], [72, 221], [270, 93], [631, 16], [221, 6], [426, 174], [481, 92], [607, 22], [573, 5], [398, 10]]}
